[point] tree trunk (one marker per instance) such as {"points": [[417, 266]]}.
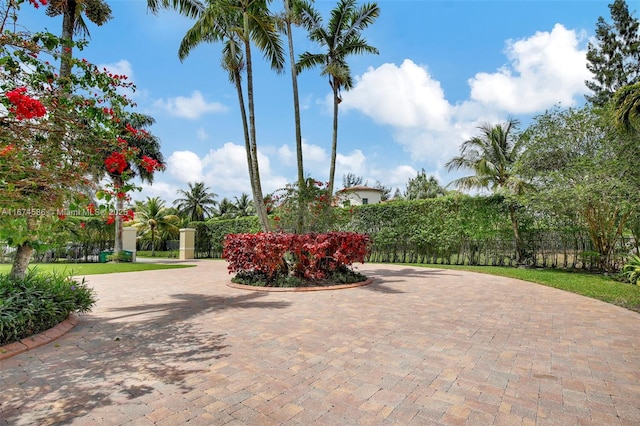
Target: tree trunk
{"points": [[334, 141], [245, 128], [117, 244], [21, 261], [296, 115], [153, 241], [256, 186], [68, 23], [23, 253]]}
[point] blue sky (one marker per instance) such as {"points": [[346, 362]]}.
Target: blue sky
{"points": [[444, 68]]}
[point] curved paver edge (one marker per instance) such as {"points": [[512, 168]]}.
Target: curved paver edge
{"points": [[48, 336]]}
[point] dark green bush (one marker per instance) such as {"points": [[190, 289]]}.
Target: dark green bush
{"points": [[343, 275], [38, 302]]}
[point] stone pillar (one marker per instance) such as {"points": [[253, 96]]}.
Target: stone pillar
{"points": [[129, 241], [187, 243]]}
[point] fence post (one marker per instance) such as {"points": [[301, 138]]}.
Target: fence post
{"points": [[187, 243], [129, 241]]}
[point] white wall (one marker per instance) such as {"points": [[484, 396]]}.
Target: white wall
{"points": [[358, 197]]}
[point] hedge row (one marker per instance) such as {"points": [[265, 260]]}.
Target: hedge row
{"points": [[455, 229]]}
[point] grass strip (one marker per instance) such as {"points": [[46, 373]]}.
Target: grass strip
{"points": [[80, 269]]}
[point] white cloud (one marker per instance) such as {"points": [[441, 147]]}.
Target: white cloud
{"points": [[287, 156], [405, 96], [185, 166], [166, 191], [189, 107], [226, 171], [545, 69]]}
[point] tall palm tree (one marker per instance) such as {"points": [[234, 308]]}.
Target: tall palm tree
{"points": [[153, 219], [197, 203], [626, 107], [244, 205], [340, 38], [97, 11], [238, 24], [291, 17], [492, 157]]}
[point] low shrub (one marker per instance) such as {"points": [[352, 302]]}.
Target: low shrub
{"points": [[38, 302], [269, 257], [632, 270], [342, 275]]}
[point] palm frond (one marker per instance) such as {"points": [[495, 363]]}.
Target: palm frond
{"points": [[265, 35]]}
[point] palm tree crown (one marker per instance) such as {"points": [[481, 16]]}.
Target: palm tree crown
{"points": [[97, 11], [244, 205], [154, 220], [341, 38], [197, 203], [492, 156]]}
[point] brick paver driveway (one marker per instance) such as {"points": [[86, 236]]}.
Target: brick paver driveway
{"points": [[418, 346]]}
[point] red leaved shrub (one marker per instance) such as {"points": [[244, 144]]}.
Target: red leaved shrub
{"points": [[309, 256]]}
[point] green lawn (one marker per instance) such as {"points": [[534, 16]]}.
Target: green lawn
{"points": [[591, 285], [79, 269]]}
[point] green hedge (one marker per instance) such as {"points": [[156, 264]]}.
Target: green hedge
{"points": [[210, 235], [457, 229]]}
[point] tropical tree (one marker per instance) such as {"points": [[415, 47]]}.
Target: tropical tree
{"points": [[614, 59], [153, 219], [244, 205], [226, 209], [197, 203], [97, 11], [238, 23], [581, 164], [351, 179], [341, 38], [54, 133], [422, 187], [493, 157], [140, 156], [385, 191], [626, 107], [291, 16]]}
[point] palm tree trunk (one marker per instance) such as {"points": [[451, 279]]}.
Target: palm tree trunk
{"points": [[334, 141], [255, 184], [245, 125], [296, 115], [68, 23], [153, 241]]}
